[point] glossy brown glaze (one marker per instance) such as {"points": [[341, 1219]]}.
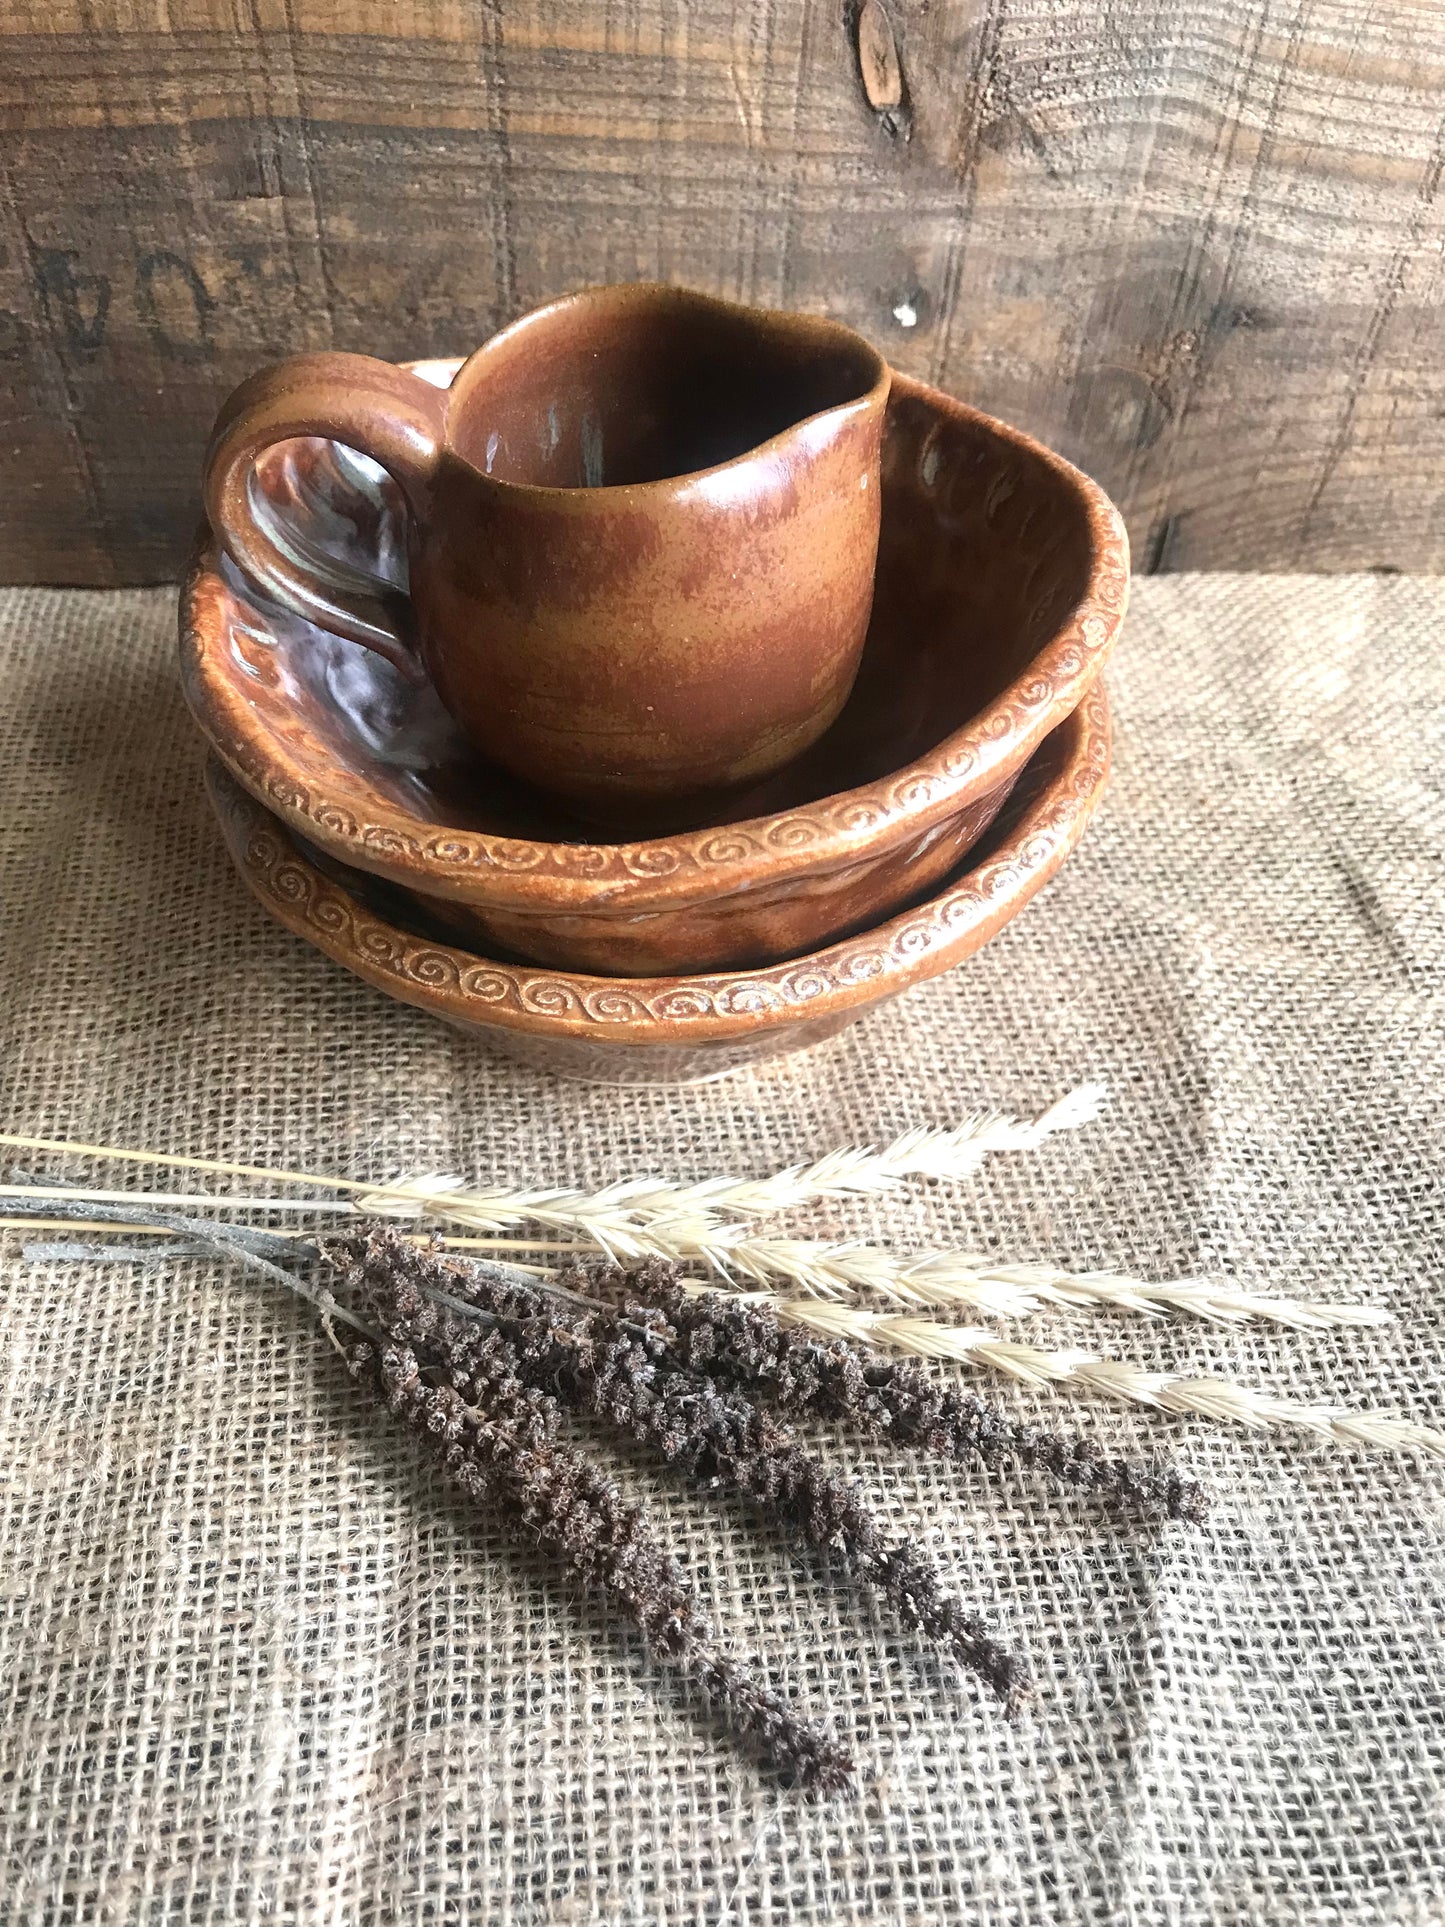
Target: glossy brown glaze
{"points": [[678, 1029], [1002, 578], [641, 534]]}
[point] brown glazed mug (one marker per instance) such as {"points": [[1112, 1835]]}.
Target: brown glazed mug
{"points": [[642, 528]]}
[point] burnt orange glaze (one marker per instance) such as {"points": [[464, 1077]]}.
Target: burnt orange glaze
{"points": [[679, 1029], [642, 533], [760, 926]]}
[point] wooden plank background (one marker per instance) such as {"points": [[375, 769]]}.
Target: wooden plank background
{"points": [[1197, 246]]}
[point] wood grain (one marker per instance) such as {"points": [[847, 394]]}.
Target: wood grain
{"points": [[1196, 246]]}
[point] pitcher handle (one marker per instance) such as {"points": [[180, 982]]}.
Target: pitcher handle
{"points": [[371, 406]]}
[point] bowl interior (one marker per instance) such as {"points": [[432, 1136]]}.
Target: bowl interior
{"points": [[985, 549]]}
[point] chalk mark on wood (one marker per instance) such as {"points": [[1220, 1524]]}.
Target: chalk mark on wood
{"points": [[155, 306]]}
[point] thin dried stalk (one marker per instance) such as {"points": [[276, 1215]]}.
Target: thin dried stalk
{"points": [[1207, 1397], [83, 1224], [72, 1147], [170, 1200], [147, 1208], [160, 1250], [209, 1200]]}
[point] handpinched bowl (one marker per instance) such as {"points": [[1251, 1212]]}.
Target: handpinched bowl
{"points": [[679, 1029], [1002, 582]]}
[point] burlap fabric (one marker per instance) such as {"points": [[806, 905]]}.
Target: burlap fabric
{"points": [[257, 1665]]}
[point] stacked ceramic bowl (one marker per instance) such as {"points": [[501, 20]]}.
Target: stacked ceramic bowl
{"points": [[958, 776]]}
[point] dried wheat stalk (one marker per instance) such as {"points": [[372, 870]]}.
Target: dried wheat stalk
{"points": [[619, 1209], [1208, 1397], [618, 1215], [840, 1269], [1216, 1303], [644, 1219], [1073, 1369], [939, 1278]]}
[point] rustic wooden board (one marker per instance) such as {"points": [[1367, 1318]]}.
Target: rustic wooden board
{"points": [[1197, 244]]}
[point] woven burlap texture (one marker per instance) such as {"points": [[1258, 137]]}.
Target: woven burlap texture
{"points": [[257, 1664]]}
